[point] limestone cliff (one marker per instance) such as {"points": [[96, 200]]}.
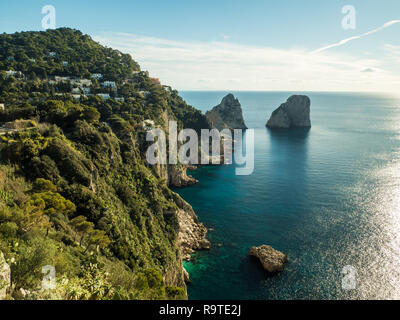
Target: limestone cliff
{"points": [[192, 233], [227, 115], [295, 112]]}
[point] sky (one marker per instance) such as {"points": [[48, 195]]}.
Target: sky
{"points": [[286, 45]]}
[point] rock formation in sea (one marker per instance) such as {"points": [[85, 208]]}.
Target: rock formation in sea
{"points": [[227, 115], [295, 112], [5, 277], [272, 260]]}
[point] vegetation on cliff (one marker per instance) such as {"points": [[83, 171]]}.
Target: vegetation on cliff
{"points": [[75, 191]]}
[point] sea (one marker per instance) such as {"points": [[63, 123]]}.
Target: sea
{"points": [[328, 197]]}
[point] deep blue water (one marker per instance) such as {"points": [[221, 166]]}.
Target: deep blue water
{"points": [[327, 197]]}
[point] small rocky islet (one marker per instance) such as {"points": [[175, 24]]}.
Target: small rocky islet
{"points": [[272, 260], [227, 115], [294, 113]]}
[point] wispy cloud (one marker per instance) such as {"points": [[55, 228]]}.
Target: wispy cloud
{"points": [[224, 65], [344, 41]]}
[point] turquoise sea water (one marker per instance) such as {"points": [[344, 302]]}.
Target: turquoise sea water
{"points": [[327, 197]]}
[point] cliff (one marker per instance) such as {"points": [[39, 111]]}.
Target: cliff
{"points": [[76, 191], [227, 115], [295, 112]]}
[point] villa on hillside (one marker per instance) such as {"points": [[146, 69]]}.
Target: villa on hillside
{"points": [[58, 79], [12, 73], [148, 124], [109, 84], [82, 82], [105, 96], [155, 81], [97, 76]]}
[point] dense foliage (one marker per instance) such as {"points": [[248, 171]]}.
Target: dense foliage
{"points": [[75, 192]]}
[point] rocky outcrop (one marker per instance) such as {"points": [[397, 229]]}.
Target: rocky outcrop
{"points": [[186, 276], [295, 112], [227, 115], [5, 277], [272, 260], [192, 234], [177, 176]]}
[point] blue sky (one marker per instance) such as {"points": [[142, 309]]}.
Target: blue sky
{"points": [[237, 45]]}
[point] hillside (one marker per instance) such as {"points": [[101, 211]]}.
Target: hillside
{"points": [[75, 190]]}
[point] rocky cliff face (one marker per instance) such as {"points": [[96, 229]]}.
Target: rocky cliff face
{"points": [[192, 233], [295, 112], [227, 115], [178, 176], [5, 277]]}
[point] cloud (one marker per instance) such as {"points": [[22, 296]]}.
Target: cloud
{"points": [[342, 42], [224, 36], [368, 70], [224, 65], [393, 52]]}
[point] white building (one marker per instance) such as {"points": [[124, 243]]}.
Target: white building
{"points": [[2, 107], [86, 90], [105, 96], [148, 124], [32, 60], [144, 93], [52, 54], [76, 96], [109, 84], [61, 79], [12, 73], [76, 91], [97, 76], [65, 63], [85, 82], [82, 82]]}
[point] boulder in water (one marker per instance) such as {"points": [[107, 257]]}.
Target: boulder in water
{"points": [[272, 260]]}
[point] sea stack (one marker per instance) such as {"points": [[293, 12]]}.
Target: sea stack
{"points": [[294, 113], [272, 260], [227, 115]]}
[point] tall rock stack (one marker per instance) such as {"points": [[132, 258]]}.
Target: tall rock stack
{"points": [[294, 113], [227, 115]]}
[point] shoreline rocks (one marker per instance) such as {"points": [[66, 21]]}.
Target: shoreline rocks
{"points": [[192, 234], [227, 115], [294, 113], [273, 261]]}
